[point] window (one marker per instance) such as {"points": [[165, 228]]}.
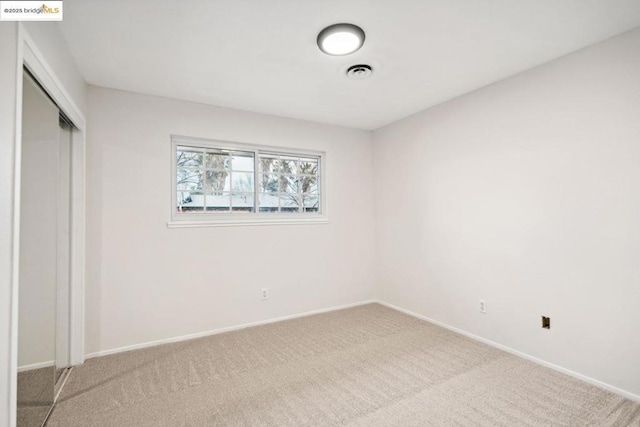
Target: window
{"points": [[223, 183]]}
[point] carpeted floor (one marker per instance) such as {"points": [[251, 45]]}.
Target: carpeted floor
{"points": [[35, 396], [363, 366]]}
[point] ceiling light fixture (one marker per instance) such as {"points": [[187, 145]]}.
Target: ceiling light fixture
{"points": [[340, 39]]}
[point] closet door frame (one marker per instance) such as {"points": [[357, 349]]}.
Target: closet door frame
{"points": [[30, 57]]}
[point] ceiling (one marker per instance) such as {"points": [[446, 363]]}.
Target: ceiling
{"points": [[261, 56]]}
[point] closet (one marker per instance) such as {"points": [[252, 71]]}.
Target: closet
{"points": [[44, 275]]}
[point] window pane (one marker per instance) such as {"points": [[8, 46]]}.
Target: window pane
{"points": [[288, 165], [188, 179], [217, 182], [289, 184], [189, 202], [269, 202], [242, 162], [218, 161], [289, 209], [310, 202], [242, 202], [269, 183], [290, 202], [268, 209], [308, 184], [188, 157], [242, 181], [308, 166], [186, 204], [218, 202], [269, 164]]}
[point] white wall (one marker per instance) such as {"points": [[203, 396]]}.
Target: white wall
{"points": [[147, 282], [525, 194]]}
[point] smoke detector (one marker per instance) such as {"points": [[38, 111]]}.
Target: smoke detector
{"points": [[359, 72]]}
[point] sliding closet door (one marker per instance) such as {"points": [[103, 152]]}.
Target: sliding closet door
{"points": [[38, 255], [64, 250]]}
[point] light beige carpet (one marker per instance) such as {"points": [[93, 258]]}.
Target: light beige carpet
{"points": [[363, 366], [35, 396]]}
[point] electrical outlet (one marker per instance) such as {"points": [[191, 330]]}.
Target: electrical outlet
{"points": [[265, 293], [483, 306]]}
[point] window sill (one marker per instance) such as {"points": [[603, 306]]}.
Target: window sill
{"points": [[239, 222]]}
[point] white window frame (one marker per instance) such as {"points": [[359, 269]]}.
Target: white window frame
{"points": [[182, 220]]}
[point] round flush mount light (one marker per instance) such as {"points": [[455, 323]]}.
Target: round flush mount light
{"points": [[340, 39], [359, 72]]}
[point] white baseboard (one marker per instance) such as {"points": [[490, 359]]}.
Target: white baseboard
{"points": [[544, 363], [35, 366], [222, 330]]}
